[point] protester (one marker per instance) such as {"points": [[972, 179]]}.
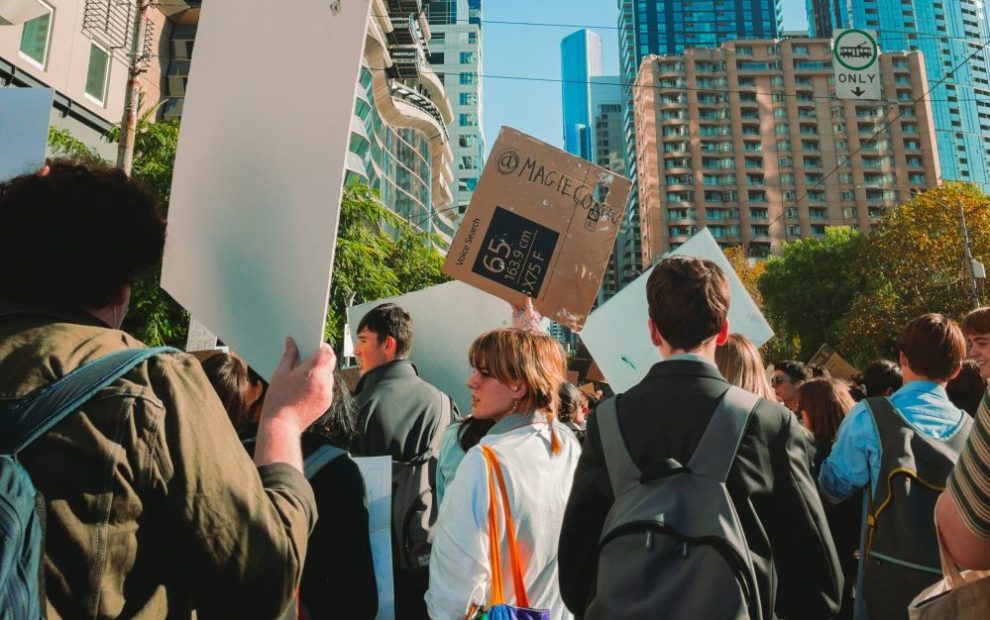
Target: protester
{"points": [[963, 514], [573, 409], [740, 363], [787, 378], [882, 378], [823, 404], [403, 417], [900, 449], [153, 508], [817, 371], [239, 389], [515, 381], [663, 418], [967, 389]]}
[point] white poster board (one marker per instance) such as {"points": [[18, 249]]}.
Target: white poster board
{"points": [[617, 335], [259, 171], [446, 320], [377, 474], [24, 119]]}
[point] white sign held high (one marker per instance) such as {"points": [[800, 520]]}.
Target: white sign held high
{"points": [[855, 56], [259, 171], [24, 118], [617, 336]]}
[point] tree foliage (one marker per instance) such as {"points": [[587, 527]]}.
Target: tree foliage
{"points": [[914, 263], [808, 291], [378, 255]]}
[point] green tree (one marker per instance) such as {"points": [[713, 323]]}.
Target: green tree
{"points": [[808, 291], [378, 255], [912, 264]]}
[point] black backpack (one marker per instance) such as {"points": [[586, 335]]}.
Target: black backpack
{"points": [[673, 547], [21, 508]]}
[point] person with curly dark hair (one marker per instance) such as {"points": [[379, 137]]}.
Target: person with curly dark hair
{"points": [[153, 508]]}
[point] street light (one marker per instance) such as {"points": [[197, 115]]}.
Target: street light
{"points": [[971, 264]]}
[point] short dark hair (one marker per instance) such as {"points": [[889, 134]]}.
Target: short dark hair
{"points": [[76, 236], [339, 423], [967, 389], [933, 345], [390, 320], [689, 300], [879, 376], [794, 369], [231, 379], [817, 371], [977, 322], [570, 400]]}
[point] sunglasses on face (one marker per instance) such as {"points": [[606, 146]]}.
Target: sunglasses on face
{"points": [[778, 380]]}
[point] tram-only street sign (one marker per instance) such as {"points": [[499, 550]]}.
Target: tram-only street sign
{"points": [[854, 60]]}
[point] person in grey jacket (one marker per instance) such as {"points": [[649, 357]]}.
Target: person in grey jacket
{"points": [[402, 416]]}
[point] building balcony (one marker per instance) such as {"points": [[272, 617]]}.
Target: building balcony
{"points": [[406, 61], [405, 6], [20, 11]]}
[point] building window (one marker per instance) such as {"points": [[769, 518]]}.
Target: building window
{"points": [[469, 58], [469, 98], [469, 120], [436, 58], [469, 78], [97, 73], [36, 36]]}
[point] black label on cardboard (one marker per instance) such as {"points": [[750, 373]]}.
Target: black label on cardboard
{"points": [[516, 252]]}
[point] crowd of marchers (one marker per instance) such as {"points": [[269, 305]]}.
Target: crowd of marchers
{"points": [[150, 483]]}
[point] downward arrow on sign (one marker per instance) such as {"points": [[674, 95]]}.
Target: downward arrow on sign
{"points": [[858, 91]]}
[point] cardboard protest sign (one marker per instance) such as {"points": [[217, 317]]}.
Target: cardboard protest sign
{"points": [[446, 320], [542, 223], [835, 364], [24, 118], [259, 172], [616, 333]]}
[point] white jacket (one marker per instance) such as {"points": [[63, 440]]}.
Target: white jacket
{"points": [[538, 485]]}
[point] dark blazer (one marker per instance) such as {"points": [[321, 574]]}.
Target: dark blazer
{"points": [[775, 497], [399, 413]]}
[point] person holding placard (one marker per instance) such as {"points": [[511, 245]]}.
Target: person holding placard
{"points": [[515, 381], [153, 508]]}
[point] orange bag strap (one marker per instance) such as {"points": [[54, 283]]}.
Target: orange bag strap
{"points": [[498, 596], [522, 599]]}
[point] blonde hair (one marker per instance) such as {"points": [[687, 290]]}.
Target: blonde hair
{"points": [[741, 364], [533, 359]]}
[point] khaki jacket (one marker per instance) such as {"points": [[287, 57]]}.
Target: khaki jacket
{"points": [[154, 509]]}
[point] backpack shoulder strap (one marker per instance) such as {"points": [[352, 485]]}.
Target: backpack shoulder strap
{"points": [[622, 471], [320, 458], [39, 411], [717, 449]]}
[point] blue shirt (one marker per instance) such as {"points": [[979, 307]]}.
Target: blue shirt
{"points": [[856, 455]]}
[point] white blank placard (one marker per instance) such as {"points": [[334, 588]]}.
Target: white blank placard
{"points": [[259, 170], [24, 120]]}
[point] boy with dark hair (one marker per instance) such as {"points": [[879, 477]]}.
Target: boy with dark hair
{"points": [[402, 416], [664, 417], [895, 449]]}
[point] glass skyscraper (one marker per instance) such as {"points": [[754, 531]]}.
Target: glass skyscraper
{"points": [[947, 32], [667, 28], [580, 60]]}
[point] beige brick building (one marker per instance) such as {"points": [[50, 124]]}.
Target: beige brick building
{"points": [[749, 140]]}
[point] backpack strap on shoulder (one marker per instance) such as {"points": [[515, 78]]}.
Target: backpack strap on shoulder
{"points": [[320, 458], [39, 411], [717, 449], [622, 471]]}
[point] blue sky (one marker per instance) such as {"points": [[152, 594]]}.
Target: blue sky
{"points": [[534, 52]]}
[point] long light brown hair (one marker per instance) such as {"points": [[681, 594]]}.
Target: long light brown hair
{"points": [[825, 402], [533, 359], [741, 365]]}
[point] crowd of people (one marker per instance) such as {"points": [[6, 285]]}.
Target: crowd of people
{"points": [[191, 487]]}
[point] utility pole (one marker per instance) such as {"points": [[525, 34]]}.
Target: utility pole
{"points": [[136, 58], [969, 258]]}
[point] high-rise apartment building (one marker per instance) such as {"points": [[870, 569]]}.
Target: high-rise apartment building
{"points": [[649, 27], [580, 60], [749, 140], [951, 34], [456, 56]]}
